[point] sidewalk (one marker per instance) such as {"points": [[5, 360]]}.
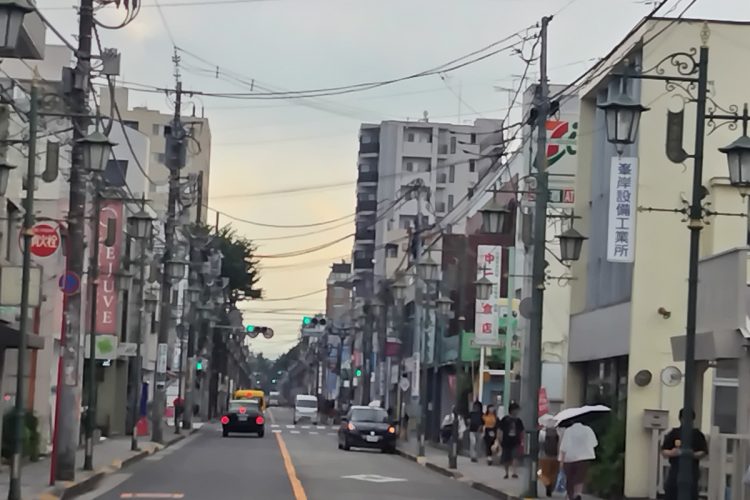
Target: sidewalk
{"points": [[480, 476], [110, 455]]}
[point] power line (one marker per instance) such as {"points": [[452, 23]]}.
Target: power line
{"points": [[294, 297], [282, 226], [165, 23]]}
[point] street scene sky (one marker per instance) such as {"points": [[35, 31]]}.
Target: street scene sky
{"points": [[268, 155]]}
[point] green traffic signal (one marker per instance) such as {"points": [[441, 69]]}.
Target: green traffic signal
{"points": [[358, 372], [199, 365], [306, 320], [249, 328]]}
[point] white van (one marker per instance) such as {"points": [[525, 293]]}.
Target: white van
{"points": [[306, 407]]}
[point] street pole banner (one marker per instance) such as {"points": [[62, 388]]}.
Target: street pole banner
{"points": [[486, 314], [109, 265], [623, 178]]}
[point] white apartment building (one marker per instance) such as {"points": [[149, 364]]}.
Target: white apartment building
{"points": [[446, 157]]}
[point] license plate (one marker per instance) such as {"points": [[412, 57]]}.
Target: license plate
{"points": [[372, 439], [242, 418]]}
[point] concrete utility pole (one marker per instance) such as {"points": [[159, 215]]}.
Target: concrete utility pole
{"points": [[418, 333], [68, 408], [175, 161], [193, 283], [533, 368]]}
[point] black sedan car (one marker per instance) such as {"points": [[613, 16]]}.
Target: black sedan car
{"points": [[244, 416], [367, 427]]}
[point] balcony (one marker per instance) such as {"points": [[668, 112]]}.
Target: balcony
{"points": [[440, 207], [443, 149], [365, 235], [367, 205], [369, 147], [363, 177], [442, 178], [417, 149]]}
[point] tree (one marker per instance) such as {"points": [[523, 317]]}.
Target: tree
{"points": [[239, 265]]}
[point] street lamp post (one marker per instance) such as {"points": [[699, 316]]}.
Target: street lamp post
{"points": [[140, 227], [618, 116]]}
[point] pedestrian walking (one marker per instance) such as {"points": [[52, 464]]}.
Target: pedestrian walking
{"points": [[405, 425], [475, 429], [511, 436], [577, 450], [549, 464], [489, 426], [670, 449]]}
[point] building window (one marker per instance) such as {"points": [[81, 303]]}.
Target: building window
{"points": [[453, 145], [472, 165], [452, 174], [391, 251], [365, 167], [409, 166], [156, 128], [130, 123], [410, 137], [366, 139], [473, 138], [450, 202]]}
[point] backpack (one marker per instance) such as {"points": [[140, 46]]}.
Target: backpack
{"points": [[551, 443]]}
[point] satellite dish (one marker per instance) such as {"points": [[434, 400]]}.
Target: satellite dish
{"points": [[671, 376]]}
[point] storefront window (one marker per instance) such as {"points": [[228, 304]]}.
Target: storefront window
{"points": [[606, 383]]}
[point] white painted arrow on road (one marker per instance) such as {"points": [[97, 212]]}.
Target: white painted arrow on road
{"points": [[375, 478]]}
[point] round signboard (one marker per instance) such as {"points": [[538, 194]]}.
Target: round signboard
{"points": [[69, 283], [45, 240]]}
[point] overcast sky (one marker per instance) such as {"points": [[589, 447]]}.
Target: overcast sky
{"points": [[262, 146]]}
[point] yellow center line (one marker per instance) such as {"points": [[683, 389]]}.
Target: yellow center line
{"points": [[297, 489]]}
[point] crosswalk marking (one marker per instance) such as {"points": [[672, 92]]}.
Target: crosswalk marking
{"points": [[321, 427], [294, 432], [290, 426], [305, 426], [275, 425], [276, 431], [314, 432]]}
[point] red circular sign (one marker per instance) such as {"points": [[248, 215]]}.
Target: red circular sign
{"points": [[45, 241]]}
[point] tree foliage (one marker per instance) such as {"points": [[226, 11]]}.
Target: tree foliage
{"points": [[239, 265]]}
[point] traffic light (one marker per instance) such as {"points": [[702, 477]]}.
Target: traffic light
{"points": [[253, 331], [307, 320], [358, 372], [199, 365], [249, 328]]}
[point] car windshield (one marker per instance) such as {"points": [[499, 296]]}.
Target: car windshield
{"points": [[307, 403], [248, 405], [369, 415]]}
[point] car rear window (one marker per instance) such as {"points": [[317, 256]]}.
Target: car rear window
{"points": [[248, 405], [307, 403], [369, 415]]}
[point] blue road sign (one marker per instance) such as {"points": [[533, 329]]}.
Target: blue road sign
{"points": [[70, 283]]}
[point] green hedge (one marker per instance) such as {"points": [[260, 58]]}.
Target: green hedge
{"points": [[31, 437], [607, 474]]}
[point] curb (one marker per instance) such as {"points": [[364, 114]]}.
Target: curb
{"points": [[489, 490], [73, 489]]}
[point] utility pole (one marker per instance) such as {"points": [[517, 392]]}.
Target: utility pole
{"points": [[418, 340], [174, 161], [460, 324], [68, 406], [534, 367], [14, 490], [187, 415], [367, 340]]}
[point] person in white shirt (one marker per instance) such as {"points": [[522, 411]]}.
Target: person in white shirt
{"points": [[577, 449]]}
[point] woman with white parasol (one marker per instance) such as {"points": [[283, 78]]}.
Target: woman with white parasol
{"points": [[549, 441], [577, 446]]}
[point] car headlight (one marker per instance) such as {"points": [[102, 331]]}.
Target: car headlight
{"points": [[391, 430], [350, 426]]}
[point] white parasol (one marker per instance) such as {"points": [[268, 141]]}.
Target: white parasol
{"points": [[569, 415], [547, 420]]}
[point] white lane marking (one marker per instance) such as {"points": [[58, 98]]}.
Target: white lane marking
{"points": [[314, 432], [294, 432], [321, 427], [275, 425], [290, 427], [375, 478], [276, 431], [154, 458], [305, 427], [108, 483]]}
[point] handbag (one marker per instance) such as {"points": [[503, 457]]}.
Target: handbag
{"points": [[561, 482]]}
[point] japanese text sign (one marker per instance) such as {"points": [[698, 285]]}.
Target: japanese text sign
{"points": [[622, 207]]}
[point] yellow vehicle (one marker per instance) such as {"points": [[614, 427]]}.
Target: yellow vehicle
{"points": [[255, 394]]}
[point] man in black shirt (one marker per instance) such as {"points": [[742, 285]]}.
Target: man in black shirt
{"points": [[671, 449], [511, 434]]}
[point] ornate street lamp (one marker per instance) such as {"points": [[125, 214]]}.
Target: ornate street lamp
{"points": [[194, 293], [176, 269], [97, 149], [428, 269], [738, 158], [494, 217], [444, 305], [124, 280], [622, 115], [12, 13], [399, 290], [483, 287], [140, 224], [571, 243]]}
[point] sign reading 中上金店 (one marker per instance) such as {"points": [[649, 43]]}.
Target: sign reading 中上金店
{"points": [[622, 207], [489, 263]]}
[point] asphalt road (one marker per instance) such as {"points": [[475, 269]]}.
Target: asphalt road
{"points": [[290, 463]]}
